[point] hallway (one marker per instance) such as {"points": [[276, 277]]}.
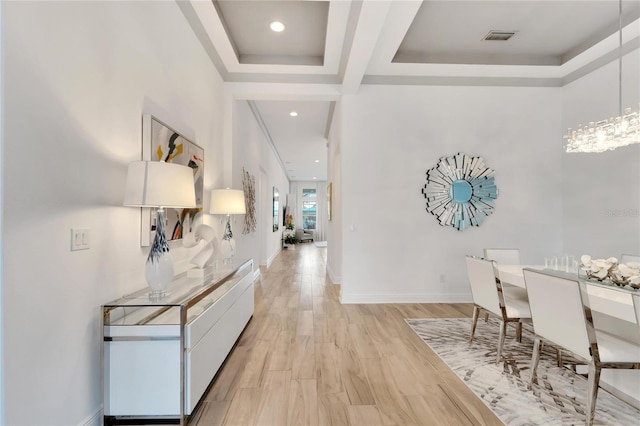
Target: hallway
{"points": [[305, 359]]}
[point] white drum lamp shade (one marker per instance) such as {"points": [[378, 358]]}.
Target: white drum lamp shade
{"points": [[227, 201], [159, 184]]}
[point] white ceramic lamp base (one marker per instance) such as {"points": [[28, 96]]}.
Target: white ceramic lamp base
{"points": [[228, 246], [227, 250], [159, 274], [159, 268]]}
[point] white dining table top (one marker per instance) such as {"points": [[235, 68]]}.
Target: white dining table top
{"points": [[512, 274], [608, 300]]}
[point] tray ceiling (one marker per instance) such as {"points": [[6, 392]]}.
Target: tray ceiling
{"points": [[338, 45]]}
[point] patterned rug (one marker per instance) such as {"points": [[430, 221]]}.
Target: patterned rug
{"points": [[559, 398]]}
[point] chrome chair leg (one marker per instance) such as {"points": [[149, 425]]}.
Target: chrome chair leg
{"points": [[592, 392], [502, 335], [537, 348], [559, 357], [476, 313], [519, 332]]}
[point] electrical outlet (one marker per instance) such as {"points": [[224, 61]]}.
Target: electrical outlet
{"points": [[80, 239]]}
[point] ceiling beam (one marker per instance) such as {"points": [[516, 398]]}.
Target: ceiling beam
{"points": [[210, 21], [373, 15], [203, 36], [399, 20], [283, 91]]}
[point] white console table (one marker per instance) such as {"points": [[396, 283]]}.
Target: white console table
{"points": [[159, 356]]}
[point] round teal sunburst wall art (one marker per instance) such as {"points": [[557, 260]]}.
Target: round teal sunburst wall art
{"points": [[460, 191]]}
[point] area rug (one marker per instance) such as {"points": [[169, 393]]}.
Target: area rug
{"points": [[321, 243], [559, 398]]}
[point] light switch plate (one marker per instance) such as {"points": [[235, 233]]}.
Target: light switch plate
{"points": [[80, 239]]}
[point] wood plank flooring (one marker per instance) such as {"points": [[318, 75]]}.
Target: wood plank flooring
{"points": [[305, 359]]}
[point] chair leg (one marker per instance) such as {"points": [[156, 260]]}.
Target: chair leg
{"points": [[501, 336], [559, 357], [519, 332], [592, 389], [535, 357], [486, 316], [476, 313]]}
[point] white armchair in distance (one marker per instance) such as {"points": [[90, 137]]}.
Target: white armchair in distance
{"points": [[304, 235]]}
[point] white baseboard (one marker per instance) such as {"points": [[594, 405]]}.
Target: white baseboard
{"points": [[406, 298], [94, 419], [335, 279], [272, 258], [256, 274]]}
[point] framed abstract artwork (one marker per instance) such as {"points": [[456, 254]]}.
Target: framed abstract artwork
{"points": [[161, 143]]}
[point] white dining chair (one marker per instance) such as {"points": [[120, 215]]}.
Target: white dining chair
{"points": [[626, 258], [561, 315], [488, 296], [504, 256], [507, 256]]}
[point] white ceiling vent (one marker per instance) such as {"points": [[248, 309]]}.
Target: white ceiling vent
{"points": [[499, 35]]}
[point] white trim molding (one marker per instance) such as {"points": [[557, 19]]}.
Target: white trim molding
{"points": [[335, 279], [272, 258]]}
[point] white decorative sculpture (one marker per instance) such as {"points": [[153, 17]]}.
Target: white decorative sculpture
{"points": [[203, 258], [604, 270]]}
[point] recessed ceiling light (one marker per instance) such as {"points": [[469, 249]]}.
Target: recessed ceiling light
{"points": [[317, 161], [314, 177], [293, 114], [277, 26]]}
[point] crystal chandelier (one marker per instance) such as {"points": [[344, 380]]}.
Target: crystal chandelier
{"points": [[607, 135]]}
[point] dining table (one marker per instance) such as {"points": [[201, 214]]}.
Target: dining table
{"points": [[604, 298], [613, 312]]}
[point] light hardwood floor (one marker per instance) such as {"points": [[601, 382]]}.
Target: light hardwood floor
{"points": [[305, 359]]}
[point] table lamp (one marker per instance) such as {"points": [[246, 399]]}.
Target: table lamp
{"points": [[228, 202], [159, 184]]}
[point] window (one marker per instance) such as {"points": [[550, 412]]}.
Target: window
{"points": [[309, 215], [309, 209]]}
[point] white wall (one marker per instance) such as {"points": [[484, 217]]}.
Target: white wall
{"points": [[601, 192], [334, 173], [2, 45], [393, 249], [79, 77], [252, 151]]}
